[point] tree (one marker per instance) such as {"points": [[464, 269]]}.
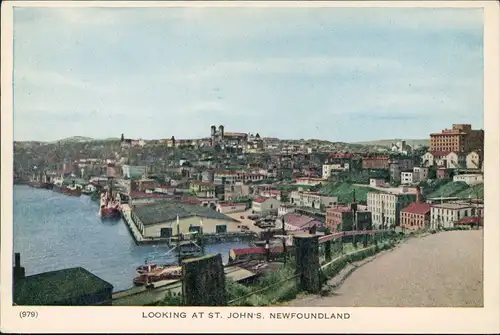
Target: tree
{"points": [[432, 173]]}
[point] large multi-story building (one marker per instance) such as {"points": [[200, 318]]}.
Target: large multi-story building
{"points": [[460, 138], [386, 207]]}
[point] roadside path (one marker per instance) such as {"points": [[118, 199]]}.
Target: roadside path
{"points": [[439, 270]]}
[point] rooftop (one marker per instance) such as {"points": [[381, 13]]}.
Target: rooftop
{"points": [[260, 200], [298, 220], [143, 195], [418, 208], [451, 206], [54, 287], [168, 211]]}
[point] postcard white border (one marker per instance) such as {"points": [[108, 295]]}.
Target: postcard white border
{"points": [[129, 319]]}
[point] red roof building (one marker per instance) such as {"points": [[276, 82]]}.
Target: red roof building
{"points": [[416, 216]]}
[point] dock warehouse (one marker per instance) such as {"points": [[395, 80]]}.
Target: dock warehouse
{"points": [[160, 220]]}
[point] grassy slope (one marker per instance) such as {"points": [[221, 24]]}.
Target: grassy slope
{"points": [[344, 191], [458, 189]]}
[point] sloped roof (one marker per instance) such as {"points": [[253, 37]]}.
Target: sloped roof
{"points": [[298, 220], [168, 211], [57, 287], [418, 208], [260, 200]]}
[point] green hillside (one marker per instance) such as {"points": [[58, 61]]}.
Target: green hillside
{"points": [[344, 192], [458, 189]]}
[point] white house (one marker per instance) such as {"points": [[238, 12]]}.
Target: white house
{"points": [[401, 147], [286, 209], [265, 206], [311, 199], [271, 194], [473, 160], [329, 168], [226, 208], [445, 215], [455, 160], [427, 159], [407, 177], [469, 179]]}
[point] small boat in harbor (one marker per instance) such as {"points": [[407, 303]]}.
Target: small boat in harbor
{"points": [[73, 190], [156, 273], [40, 184]]}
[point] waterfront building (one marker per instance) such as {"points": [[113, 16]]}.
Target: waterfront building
{"points": [[167, 219], [66, 287]]}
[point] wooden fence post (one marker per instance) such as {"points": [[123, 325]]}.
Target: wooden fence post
{"points": [[204, 281], [307, 262], [328, 250]]}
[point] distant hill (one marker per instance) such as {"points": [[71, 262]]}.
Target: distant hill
{"points": [[387, 143], [80, 139], [75, 139]]}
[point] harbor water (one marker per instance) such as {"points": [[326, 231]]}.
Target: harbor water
{"points": [[53, 231]]}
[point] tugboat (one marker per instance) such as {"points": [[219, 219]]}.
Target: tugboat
{"points": [[110, 207], [72, 190]]}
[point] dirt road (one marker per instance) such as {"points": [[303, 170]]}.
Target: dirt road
{"points": [[440, 270]]}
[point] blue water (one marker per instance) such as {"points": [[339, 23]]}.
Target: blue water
{"points": [[53, 231]]}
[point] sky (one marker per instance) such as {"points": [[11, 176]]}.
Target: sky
{"points": [[337, 74]]}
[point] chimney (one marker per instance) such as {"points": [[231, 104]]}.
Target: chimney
{"points": [[19, 272], [418, 195]]}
